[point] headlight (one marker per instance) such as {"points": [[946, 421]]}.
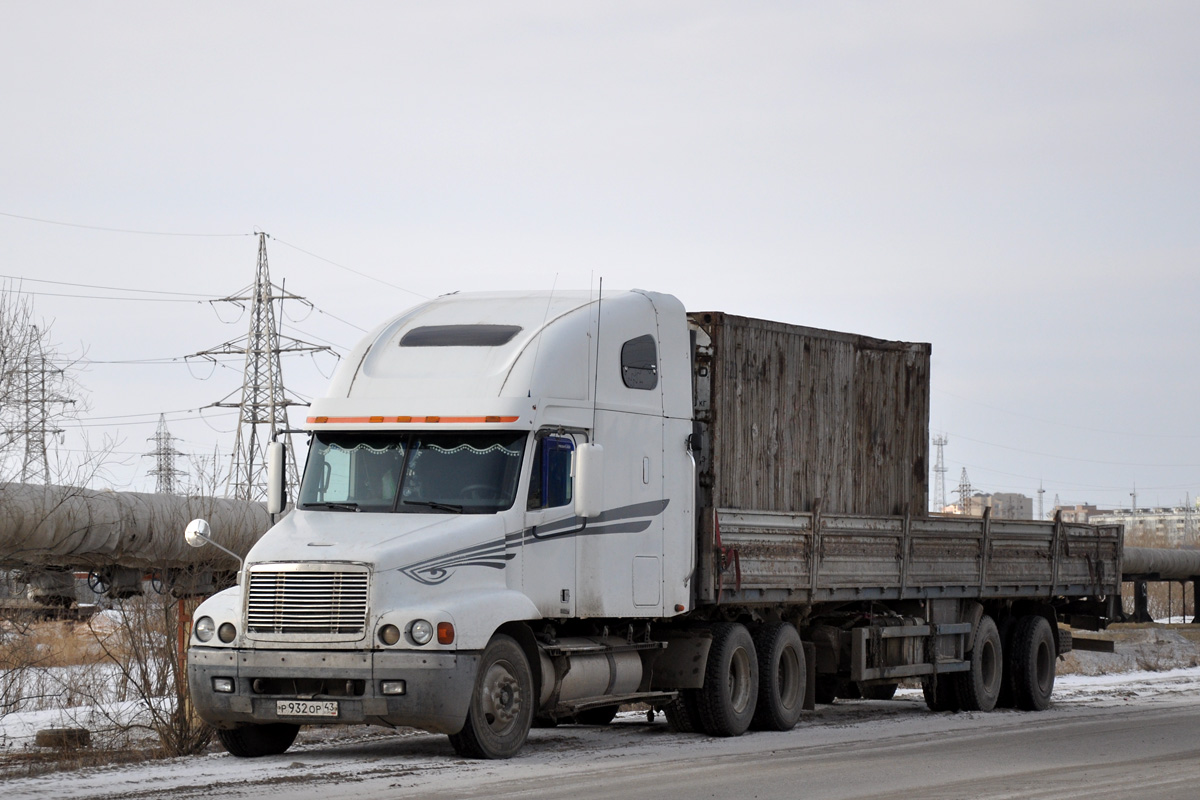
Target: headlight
{"points": [[389, 635], [421, 631], [205, 628], [226, 633]]}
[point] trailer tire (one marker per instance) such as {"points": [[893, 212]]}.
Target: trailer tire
{"points": [[1007, 698], [1032, 663], [781, 677], [255, 741], [683, 714], [730, 693], [979, 687], [502, 704]]}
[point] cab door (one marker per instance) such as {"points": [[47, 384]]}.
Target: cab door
{"points": [[548, 540]]}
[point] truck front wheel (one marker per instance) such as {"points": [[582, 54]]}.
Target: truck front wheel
{"points": [[781, 677], [730, 693], [254, 741], [501, 710]]}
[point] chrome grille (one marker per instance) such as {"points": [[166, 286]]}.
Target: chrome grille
{"points": [[307, 601]]}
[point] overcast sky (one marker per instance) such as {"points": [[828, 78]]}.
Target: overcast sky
{"points": [[1015, 182]]}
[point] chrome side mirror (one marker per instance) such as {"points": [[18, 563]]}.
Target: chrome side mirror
{"points": [[198, 533]]}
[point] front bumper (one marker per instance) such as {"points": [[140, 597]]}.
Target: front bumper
{"points": [[438, 686]]}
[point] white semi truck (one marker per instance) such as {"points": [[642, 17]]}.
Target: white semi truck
{"points": [[530, 508]]}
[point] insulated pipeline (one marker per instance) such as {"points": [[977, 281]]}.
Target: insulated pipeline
{"points": [[73, 528], [1160, 564]]}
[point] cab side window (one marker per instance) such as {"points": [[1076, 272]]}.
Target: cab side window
{"points": [[639, 363], [550, 480]]}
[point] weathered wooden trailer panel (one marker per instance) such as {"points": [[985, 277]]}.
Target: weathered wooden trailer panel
{"points": [[774, 557], [789, 414]]}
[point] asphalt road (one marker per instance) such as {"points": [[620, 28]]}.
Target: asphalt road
{"points": [[1133, 753], [1121, 743]]}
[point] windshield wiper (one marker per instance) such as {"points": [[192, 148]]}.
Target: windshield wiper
{"points": [[434, 505], [341, 506]]}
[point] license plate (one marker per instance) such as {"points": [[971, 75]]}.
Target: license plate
{"points": [[306, 708]]}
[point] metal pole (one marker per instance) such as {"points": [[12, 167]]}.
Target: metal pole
{"points": [[1195, 601], [1141, 602]]}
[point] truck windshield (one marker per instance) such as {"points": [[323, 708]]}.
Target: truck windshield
{"points": [[420, 472]]}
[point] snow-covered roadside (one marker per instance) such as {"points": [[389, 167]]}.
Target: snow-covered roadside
{"points": [[362, 761]]}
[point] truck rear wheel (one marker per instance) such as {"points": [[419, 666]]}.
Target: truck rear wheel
{"points": [[501, 710], [683, 713], [730, 692], [255, 741], [941, 694], [1007, 697], [1032, 663], [781, 677], [979, 688]]}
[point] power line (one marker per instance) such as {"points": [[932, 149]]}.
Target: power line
{"points": [[194, 416], [22, 278], [349, 269], [104, 297], [120, 230]]}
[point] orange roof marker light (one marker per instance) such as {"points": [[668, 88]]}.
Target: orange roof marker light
{"points": [[405, 419]]}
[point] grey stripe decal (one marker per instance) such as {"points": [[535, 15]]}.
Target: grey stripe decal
{"points": [[496, 554]]}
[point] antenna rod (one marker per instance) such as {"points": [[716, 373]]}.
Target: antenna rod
{"points": [[596, 378]]}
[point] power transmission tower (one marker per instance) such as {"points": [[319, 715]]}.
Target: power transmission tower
{"points": [[964, 493], [264, 401], [166, 473], [41, 384], [939, 473]]}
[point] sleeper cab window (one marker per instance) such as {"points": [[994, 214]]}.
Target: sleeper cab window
{"points": [[639, 363], [550, 480]]}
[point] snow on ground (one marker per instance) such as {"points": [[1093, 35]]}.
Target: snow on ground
{"points": [[357, 762], [354, 762]]}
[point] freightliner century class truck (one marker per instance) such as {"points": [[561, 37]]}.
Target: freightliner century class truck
{"points": [[523, 509]]}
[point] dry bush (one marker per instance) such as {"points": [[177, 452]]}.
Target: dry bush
{"points": [[145, 645]]}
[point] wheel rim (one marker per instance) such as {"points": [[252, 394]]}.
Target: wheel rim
{"points": [[739, 680], [788, 674], [500, 697]]}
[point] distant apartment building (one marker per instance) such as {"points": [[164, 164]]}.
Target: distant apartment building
{"points": [[1171, 527], [1077, 513], [1004, 505]]}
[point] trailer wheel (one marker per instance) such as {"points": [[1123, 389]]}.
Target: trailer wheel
{"points": [[255, 741], [945, 696], [501, 710], [730, 691], [1032, 663], [979, 688], [683, 713], [1007, 698], [781, 676]]}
